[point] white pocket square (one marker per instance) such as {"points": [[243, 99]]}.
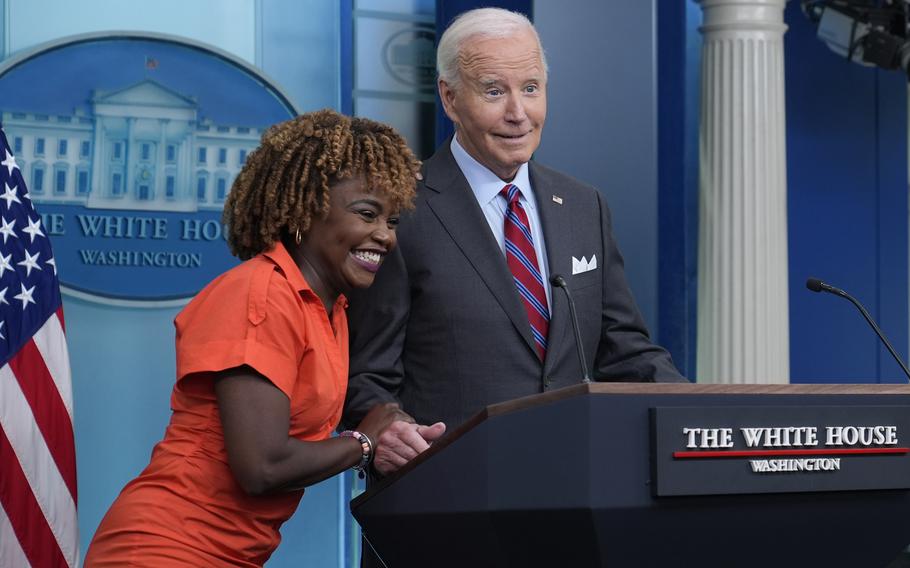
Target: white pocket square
{"points": [[584, 265]]}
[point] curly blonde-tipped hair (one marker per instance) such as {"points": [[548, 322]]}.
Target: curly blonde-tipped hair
{"points": [[286, 181]]}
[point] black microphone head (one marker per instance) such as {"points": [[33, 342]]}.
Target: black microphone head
{"points": [[814, 284], [558, 280]]}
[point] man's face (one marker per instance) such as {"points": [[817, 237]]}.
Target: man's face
{"points": [[501, 104]]}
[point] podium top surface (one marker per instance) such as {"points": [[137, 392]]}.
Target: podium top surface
{"points": [[685, 388]]}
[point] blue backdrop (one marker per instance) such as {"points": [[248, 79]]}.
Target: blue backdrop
{"points": [[847, 199]]}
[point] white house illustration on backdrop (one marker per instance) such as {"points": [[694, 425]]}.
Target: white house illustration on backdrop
{"points": [[141, 148]]}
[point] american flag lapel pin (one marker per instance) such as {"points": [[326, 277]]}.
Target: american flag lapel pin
{"points": [[557, 200]]}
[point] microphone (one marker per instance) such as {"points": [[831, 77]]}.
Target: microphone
{"points": [[559, 282], [817, 285]]}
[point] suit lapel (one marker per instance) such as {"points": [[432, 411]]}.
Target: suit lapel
{"points": [[453, 203], [555, 222]]}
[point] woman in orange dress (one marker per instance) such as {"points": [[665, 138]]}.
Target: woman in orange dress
{"points": [[262, 351]]}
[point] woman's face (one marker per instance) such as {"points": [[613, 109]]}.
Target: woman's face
{"points": [[348, 247]]}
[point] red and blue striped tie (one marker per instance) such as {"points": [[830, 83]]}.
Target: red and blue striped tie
{"points": [[522, 261]]}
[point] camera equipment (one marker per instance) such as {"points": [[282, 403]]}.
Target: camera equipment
{"points": [[869, 32]]}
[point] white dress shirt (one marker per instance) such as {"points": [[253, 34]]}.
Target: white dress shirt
{"points": [[486, 187]]}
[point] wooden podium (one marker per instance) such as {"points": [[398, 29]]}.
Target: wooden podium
{"points": [[569, 478]]}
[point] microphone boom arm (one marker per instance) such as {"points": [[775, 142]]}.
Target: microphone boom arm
{"points": [[559, 282], [818, 286]]}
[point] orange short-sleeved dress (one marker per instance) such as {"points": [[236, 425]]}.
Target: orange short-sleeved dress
{"points": [[185, 508]]}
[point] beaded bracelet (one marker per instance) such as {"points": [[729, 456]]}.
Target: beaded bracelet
{"points": [[366, 445]]}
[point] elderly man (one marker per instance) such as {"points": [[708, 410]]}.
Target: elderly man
{"points": [[462, 315]]}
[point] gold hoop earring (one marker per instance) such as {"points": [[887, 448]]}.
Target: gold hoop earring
{"points": [[297, 237]]}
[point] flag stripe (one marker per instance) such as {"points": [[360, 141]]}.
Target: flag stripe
{"points": [[11, 553], [51, 343], [30, 533], [48, 488], [51, 417], [60, 317]]}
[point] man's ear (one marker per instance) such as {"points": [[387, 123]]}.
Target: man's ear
{"points": [[447, 96]]}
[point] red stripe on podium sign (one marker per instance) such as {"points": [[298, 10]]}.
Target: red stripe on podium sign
{"points": [[768, 453]]}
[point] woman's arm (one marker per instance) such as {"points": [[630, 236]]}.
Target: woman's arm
{"points": [[255, 416]]}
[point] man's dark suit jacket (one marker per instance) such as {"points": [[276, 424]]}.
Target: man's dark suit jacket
{"points": [[443, 330]]}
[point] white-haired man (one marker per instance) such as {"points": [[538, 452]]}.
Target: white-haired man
{"points": [[462, 314]]}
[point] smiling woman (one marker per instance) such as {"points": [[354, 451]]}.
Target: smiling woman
{"points": [[349, 244], [262, 351]]}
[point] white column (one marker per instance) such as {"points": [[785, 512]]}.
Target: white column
{"points": [[743, 322]]}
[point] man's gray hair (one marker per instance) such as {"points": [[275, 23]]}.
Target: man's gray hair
{"points": [[482, 23]]}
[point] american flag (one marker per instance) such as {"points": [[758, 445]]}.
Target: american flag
{"points": [[37, 452]]}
